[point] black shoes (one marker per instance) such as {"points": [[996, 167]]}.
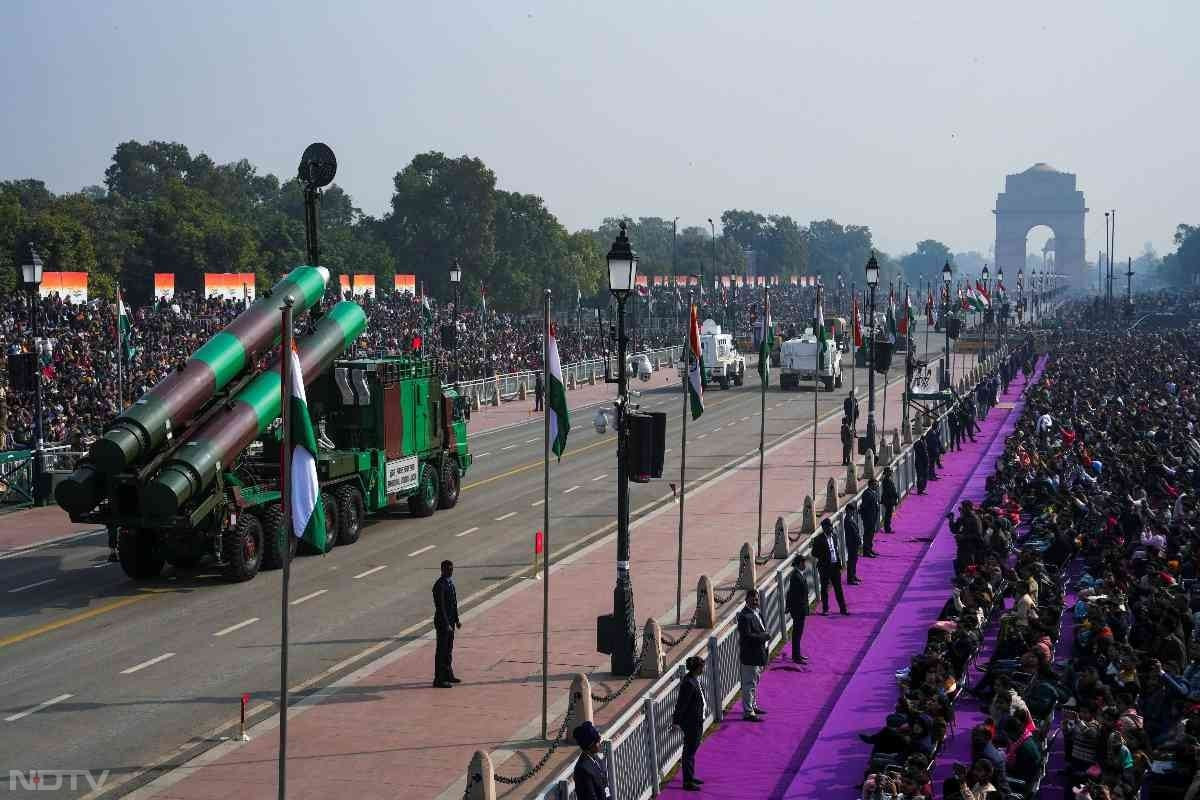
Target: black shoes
{"points": [[691, 787], [455, 680], [442, 685]]}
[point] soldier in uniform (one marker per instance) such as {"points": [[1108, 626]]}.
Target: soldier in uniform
{"points": [[445, 621], [591, 778]]}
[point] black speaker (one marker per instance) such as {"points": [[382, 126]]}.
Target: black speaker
{"points": [[22, 368], [954, 327], [645, 445], [883, 356]]}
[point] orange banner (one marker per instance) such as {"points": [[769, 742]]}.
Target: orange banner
{"points": [[71, 286], [344, 285], [164, 286], [230, 285], [364, 285], [406, 283], [641, 280]]}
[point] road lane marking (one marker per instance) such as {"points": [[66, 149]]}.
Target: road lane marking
{"points": [[744, 419], [71, 620], [424, 549], [508, 447], [481, 455], [308, 597], [714, 430], [534, 439], [32, 585], [38, 707], [669, 449], [701, 436], [104, 564], [503, 517], [371, 571], [537, 503], [237, 627], [144, 664], [573, 488], [600, 477], [468, 531]]}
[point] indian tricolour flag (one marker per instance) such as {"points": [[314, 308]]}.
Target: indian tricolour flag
{"points": [[695, 369], [822, 335], [764, 347], [556, 396], [124, 331], [308, 517]]}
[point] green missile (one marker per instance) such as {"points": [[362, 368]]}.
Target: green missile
{"points": [[144, 427], [215, 446]]}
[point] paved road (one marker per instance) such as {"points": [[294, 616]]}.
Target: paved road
{"points": [[102, 674]]}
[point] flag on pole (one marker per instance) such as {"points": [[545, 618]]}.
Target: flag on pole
{"points": [[906, 319], [764, 348], [929, 307], [822, 335], [308, 517], [982, 295], [695, 369], [124, 330], [483, 299], [856, 323], [891, 316], [556, 396]]}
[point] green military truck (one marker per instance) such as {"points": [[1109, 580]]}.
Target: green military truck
{"points": [[191, 470]]}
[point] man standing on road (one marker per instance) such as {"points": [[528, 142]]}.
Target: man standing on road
{"points": [[889, 499], [797, 606], [829, 563], [752, 654], [538, 391], [691, 709], [847, 441], [869, 509], [445, 621], [850, 409]]}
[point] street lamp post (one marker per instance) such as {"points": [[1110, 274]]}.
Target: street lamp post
{"points": [[983, 328], [872, 281], [1021, 296], [455, 281], [618, 633], [1002, 317], [712, 227], [947, 276], [31, 277]]}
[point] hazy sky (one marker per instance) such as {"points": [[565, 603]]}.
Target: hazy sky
{"points": [[902, 116]]}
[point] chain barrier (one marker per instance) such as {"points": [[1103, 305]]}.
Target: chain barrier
{"points": [[760, 560], [555, 743], [793, 538], [723, 600], [686, 632], [604, 700]]}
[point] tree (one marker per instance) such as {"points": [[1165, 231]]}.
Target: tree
{"points": [[834, 249], [784, 245], [141, 171], [1183, 265], [744, 227], [926, 262], [530, 246]]}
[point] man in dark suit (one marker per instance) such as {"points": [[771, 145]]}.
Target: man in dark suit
{"points": [[889, 498], [797, 605], [869, 509], [445, 621], [539, 391], [933, 447], [752, 654], [921, 463], [850, 408], [691, 708], [829, 562], [591, 778], [852, 535], [847, 434]]}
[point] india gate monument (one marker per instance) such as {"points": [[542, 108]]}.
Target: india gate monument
{"points": [[1041, 195]]}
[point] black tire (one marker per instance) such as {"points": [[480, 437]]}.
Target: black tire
{"points": [[740, 378], [351, 513], [448, 489], [243, 549], [837, 382], [829, 384], [425, 501], [138, 555], [724, 381], [274, 538], [189, 561], [332, 522]]}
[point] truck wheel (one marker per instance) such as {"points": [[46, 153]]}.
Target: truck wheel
{"points": [[829, 384], [243, 548], [332, 522], [425, 501], [351, 511], [137, 554], [724, 380], [740, 377], [449, 487], [189, 561], [274, 538], [838, 381]]}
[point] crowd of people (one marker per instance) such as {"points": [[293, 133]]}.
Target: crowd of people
{"points": [[79, 370]]}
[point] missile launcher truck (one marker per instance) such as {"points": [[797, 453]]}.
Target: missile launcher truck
{"points": [[191, 470]]}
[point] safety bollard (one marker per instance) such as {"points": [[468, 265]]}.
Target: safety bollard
{"points": [[654, 660], [481, 778], [497, 388], [539, 554], [906, 431], [808, 518], [592, 376], [851, 479], [580, 705], [242, 737], [869, 465], [521, 391], [895, 442], [885, 453], [475, 405], [747, 573], [706, 606], [780, 550], [831, 496]]}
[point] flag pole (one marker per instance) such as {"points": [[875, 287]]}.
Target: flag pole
{"points": [[546, 522], [687, 368], [120, 356], [765, 370], [817, 317], [285, 501], [853, 360]]}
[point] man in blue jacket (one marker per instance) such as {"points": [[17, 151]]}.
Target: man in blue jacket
{"points": [[752, 654], [691, 709]]}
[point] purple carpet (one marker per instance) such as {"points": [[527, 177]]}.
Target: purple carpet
{"points": [[816, 712]]}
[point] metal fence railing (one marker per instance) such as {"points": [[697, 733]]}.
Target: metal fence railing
{"points": [[642, 745], [509, 386]]}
